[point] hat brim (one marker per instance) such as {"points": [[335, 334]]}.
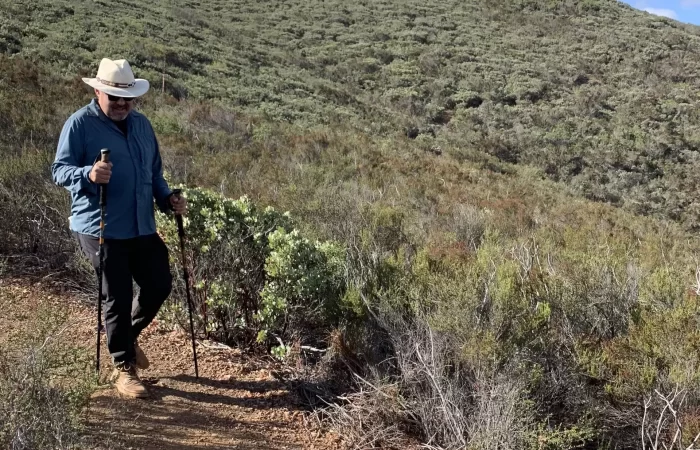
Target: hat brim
{"points": [[140, 88]]}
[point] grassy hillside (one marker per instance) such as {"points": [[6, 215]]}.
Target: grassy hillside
{"points": [[590, 92], [452, 149]]}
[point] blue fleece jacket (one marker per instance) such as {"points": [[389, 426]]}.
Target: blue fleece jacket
{"points": [[137, 173]]}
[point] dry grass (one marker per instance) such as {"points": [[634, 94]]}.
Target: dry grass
{"points": [[662, 424], [371, 417], [43, 385], [458, 407], [449, 407]]}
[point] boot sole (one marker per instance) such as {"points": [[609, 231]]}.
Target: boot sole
{"points": [[131, 394]]}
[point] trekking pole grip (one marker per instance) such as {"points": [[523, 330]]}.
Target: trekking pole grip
{"points": [[178, 217], [104, 157]]}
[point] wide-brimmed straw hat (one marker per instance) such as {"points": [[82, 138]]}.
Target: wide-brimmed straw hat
{"points": [[116, 78]]}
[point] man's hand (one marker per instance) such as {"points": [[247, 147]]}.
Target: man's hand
{"points": [[101, 172], [179, 204]]}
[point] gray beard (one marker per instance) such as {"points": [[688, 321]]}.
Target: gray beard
{"points": [[118, 117]]}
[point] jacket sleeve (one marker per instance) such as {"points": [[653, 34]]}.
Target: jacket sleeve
{"points": [[66, 169], [161, 191]]}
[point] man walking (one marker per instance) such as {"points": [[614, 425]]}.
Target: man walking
{"points": [[133, 251]]}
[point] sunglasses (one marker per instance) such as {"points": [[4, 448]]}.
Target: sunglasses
{"points": [[114, 98]]}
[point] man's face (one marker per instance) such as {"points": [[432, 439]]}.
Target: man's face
{"points": [[115, 108]]}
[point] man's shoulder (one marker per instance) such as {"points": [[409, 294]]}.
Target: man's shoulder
{"points": [[81, 115], [136, 115], [141, 120]]}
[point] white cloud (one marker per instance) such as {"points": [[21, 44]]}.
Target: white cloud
{"points": [[671, 14]]}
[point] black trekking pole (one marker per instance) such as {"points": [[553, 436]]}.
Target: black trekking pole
{"points": [[181, 233], [103, 204]]}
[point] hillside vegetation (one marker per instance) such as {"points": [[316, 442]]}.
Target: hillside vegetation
{"points": [[590, 92], [491, 203]]}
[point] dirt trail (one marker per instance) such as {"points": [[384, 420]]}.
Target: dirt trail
{"points": [[237, 403]]}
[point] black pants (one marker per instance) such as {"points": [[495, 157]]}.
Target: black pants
{"points": [[143, 260]]}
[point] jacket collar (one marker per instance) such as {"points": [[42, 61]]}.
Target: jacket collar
{"points": [[94, 109]]}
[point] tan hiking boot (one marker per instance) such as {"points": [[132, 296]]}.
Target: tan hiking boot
{"points": [[128, 382], [141, 362]]}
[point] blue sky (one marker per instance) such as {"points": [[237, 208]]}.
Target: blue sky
{"points": [[682, 10]]}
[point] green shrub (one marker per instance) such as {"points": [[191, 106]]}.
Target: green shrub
{"points": [[304, 283], [254, 276]]}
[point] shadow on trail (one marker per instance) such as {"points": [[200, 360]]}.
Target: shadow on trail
{"points": [[213, 392], [173, 419], [245, 385]]}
